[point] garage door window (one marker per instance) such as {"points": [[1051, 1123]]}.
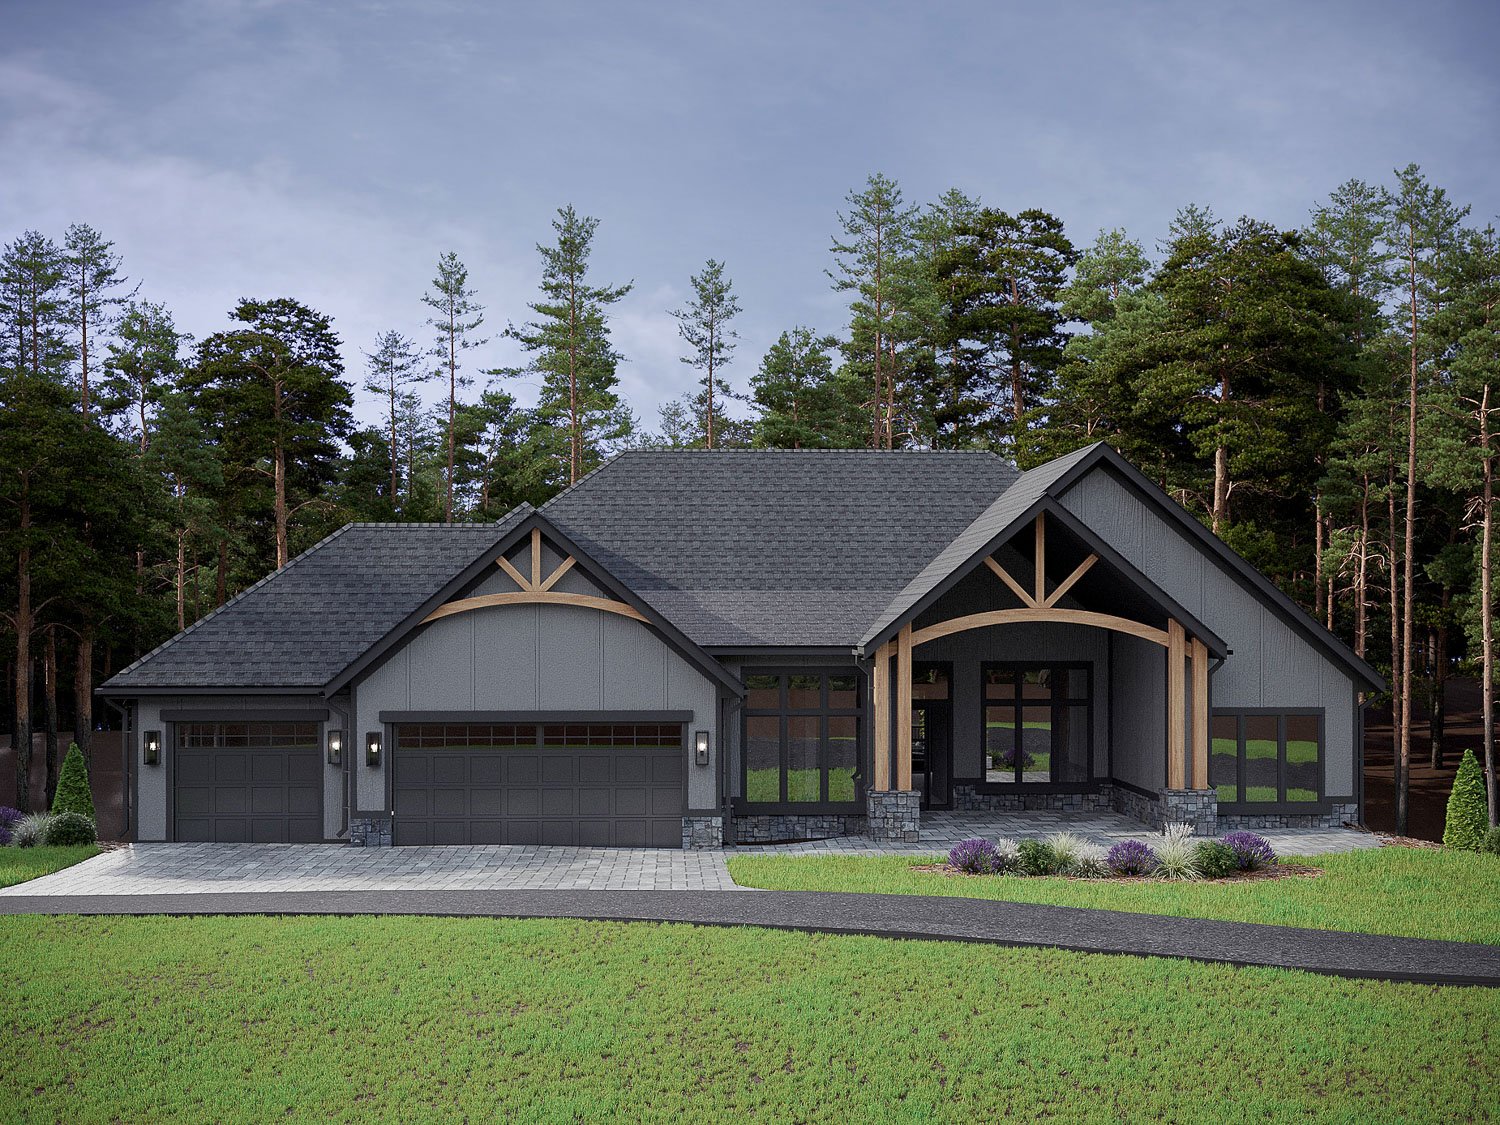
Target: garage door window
{"points": [[209, 736], [801, 739]]}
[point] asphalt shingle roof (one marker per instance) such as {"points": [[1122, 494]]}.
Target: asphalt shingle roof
{"points": [[300, 626], [795, 547]]}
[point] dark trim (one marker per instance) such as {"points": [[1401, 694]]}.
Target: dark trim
{"points": [[313, 691], [1360, 706], [781, 652], [596, 573], [245, 715], [982, 784], [1047, 505], [1248, 575], [1109, 706], [1290, 808], [524, 717]]}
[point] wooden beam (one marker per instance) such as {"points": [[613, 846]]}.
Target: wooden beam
{"points": [[1015, 587], [903, 707], [563, 568], [1067, 583], [1200, 714], [534, 597], [1065, 616], [1176, 707], [536, 557], [515, 575], [1041, 559], [880, 712]]}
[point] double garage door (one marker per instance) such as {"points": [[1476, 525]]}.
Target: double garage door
{"points": [[588, 784], [248, 783]]}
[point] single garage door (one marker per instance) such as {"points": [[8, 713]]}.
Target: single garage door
{"points": [[247, 783], [588, 785]]}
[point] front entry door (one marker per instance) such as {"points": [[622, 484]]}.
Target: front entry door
{"points": [[932, 751]]}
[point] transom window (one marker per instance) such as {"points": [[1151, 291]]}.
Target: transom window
{"points": [[202, 736], [801, 738], [1038, 724], [1260, 758], [490, 736]]}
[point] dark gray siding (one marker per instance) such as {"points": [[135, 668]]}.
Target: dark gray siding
{"points": [[1271, 665]]}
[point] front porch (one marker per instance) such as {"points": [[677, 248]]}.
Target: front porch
{"points": [[940, 830]]}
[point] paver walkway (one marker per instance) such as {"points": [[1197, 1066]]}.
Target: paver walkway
{"points": [[900, 916], [941, 830]]}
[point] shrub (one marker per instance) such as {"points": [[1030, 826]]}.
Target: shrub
{"points": [[8, 818], [1091, 862], [73, 786], [1008, 759], [1131, 857], [1216, 859], [1468, 811], [1491, 841], [1177, 854], [976, 856], [29, 830], [1251, 852], [1036, 857], [1007, 849], [67, 829], [1065, 849]]}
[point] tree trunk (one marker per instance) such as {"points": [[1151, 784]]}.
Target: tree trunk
{"points": [[1437, 721], [395, 456], [452, 409], [1408, 573], [1319, 604], [1220, 514], [83, 350], [181, 580], [1487, 608], [24, 626], [1398, 697], [575, 436], [49, 710], [1361, 577], [278, 468], [83, 690]]}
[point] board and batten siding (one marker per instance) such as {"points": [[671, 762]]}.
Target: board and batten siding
{"points": [[1271, 664], [536, 658]]}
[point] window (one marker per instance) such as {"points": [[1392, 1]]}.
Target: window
{"points": [[1038, 724], [202, 736], [1259, 758], [801, 738]]}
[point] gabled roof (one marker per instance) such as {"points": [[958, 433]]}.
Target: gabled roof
{"points": [[298, 627], [775, 547]]}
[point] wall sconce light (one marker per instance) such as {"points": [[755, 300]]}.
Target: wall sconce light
{"points": [[700, 747], [335, 747], [372, 748], [151, 747]]}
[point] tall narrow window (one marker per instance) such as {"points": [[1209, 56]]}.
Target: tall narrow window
{"points": [[801, 738], [1038, 724]]}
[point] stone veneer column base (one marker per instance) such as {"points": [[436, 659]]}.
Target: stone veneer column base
{"points": [[369, 832], [894, 815], [702, 832]]}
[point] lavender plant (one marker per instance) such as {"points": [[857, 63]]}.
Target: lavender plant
{"points": [[975, 856], [1251, 852], [1131, 857]]}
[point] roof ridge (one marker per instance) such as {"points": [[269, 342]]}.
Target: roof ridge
{"points": [[217, 610]]}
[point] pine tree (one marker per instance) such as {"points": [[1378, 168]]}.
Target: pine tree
{"points": [[93, 273], [457, 317], [802, 402], [187, 466], [142, 368], [876, 232], [33, 308], [392, 367], [572, 353], [1468, 817], [706, 327]]}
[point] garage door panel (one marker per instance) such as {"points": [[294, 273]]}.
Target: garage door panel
{"points": [[246, 794], [583, 795]]}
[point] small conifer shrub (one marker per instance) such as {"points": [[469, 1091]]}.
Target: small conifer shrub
{"points": [[1468, 811]]}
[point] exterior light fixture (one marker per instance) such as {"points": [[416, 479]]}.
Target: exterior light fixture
{"points": [[151, 747], [372, 748], [335, 747], [700, 747]]}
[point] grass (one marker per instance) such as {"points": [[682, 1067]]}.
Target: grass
{"points": [[17, 865], [436, 1019], [1405, 892]]}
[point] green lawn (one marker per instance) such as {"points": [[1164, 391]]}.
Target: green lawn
{"points": [[20, 864], [1402, 891], [435, 1019]]}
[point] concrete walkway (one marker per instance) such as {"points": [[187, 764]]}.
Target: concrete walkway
{"points": [[895, 916]]}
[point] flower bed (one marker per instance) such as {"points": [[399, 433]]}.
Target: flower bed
{"points": [[1175, 854]]}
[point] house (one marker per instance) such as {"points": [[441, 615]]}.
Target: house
{"points": [[694, 648]]}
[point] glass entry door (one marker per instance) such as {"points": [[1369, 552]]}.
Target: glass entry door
{"points": [[932, 735]]}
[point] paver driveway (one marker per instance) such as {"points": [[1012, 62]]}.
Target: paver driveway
{"points": [[151, 869]]}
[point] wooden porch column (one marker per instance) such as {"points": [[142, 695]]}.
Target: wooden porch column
{"points": [[903, 708], [880, 711], [1200, 714], [1176, 706]]}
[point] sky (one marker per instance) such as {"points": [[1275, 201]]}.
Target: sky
{"points": [[330, 152]]}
